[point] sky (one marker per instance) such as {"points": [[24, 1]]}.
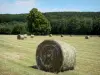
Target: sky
{"points": [[24, 6]]}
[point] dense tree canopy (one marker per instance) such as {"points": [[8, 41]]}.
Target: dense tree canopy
{"points": [[37, 23], [19, 29], [61, 22]]}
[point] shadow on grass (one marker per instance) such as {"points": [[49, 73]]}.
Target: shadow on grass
{"points": [[35, 67]]}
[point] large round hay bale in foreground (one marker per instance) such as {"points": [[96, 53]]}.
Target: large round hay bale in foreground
{"points": [[55, 56], [20, 37]]}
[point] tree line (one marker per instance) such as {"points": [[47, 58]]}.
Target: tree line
{"points": [[51, 23]]}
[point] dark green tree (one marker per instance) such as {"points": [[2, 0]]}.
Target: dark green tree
{"points": [[19, 29], [86, 25], [96, 26], [37, 23], [72, 25], [5, 30]]}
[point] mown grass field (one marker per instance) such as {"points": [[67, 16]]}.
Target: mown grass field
{"points": [[17, 56]]}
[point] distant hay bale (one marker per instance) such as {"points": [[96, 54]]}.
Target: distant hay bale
{"points": [[90, 35], [32, 36], [20, 37], [25, 35], [50, 35], [62, 35], [86, 37], [70, 35], [55, 56]]}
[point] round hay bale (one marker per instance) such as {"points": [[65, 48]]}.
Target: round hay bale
{"points": [[32, 36], [20, 37], [55, 56], [62, 35], [70, 35], [50, 35], [86, 37], [25, 35]]}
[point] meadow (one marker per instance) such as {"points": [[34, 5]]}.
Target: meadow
{"points": [[18, 56]]}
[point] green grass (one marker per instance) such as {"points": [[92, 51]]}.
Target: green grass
{"points": [[17, 56]]}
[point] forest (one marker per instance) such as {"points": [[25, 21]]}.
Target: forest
{"points": [[75, 23]]}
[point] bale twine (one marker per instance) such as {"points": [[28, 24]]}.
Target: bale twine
{"points": [[50, 35], [32, 36], [20, 37], [86, 37], [55, 56]]}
